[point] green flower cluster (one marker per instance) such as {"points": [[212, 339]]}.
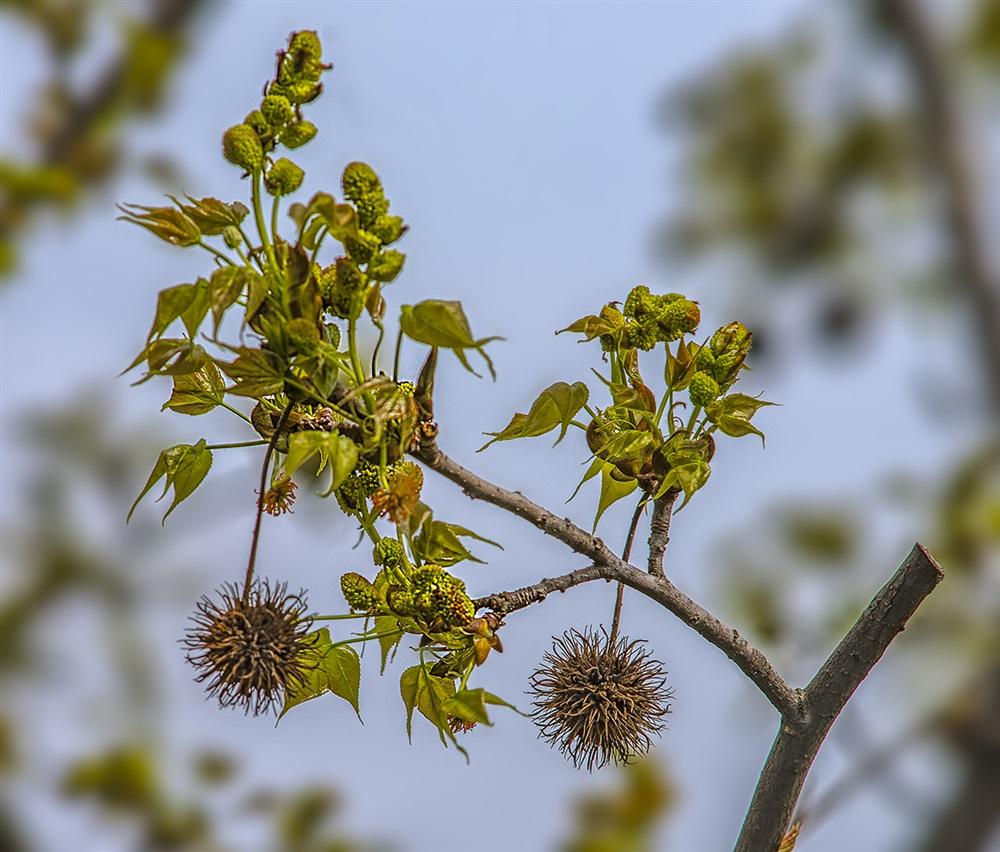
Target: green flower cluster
{"points": [[360, 594], [278, 119], [360, 484], [388, 553], [722, 359], [651, 319], [434, 598], [344, 284]]}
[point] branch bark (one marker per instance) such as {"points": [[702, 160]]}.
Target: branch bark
{"points": [[794, 750], [659, 532]]}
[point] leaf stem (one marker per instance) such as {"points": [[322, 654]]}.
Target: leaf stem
{"points": [[235, 411], [236, 445], [258, 214], [219, 254], [395, 360]]}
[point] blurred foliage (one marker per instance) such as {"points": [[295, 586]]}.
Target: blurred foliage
{"points": [[625, 818], [810, 162], [75, 133]]}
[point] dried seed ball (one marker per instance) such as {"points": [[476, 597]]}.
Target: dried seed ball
{"points": [[283, 178], [249, 646], [277, 109], [241, 147], [599, 701], [703, 388], [296, 135], [359, 593]]}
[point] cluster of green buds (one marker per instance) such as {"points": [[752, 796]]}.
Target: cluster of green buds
{"points": [[647, 319], [428, 595], [351, 282], [278, 120], [722, 359]]}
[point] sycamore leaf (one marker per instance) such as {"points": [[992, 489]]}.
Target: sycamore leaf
{"points": [[328, 668], [732, 414], [335, 450], [612, 490], [592, 326], [256, 372], [438, 543], [197, 393], [555, 406], [592, 471], [468, 705], [390, 635], [226, 286], [441, 323], [171, 304], [183, 466]]}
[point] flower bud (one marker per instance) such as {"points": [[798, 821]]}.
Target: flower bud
{"points": [[359, 181], [362, 246], [277, 110], [359, 593], [283, 178], [259, 123], [296, 135], [232, 236], [703, 389], [388, 229], [241, 147], [388, 553]]}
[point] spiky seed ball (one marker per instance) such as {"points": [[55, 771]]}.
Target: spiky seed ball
{"points": [[703, 388], [241, 147], [598, 701], [249, 647]]}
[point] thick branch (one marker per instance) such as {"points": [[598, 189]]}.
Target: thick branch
{"points": [[795, 749], [659, 532]]}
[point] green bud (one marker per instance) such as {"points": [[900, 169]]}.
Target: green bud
{"points": [[283, 178], [362, 246], [360, 181], [260, 125], [371, 208], [296, 135], [388, 553], [232, 236], [388, 229], [277, 109], [730, 344], [678, 317], [405, 388], [703, 389], [241, 147], [386, 266], [359, 593], [306, 43], [636, 335]]}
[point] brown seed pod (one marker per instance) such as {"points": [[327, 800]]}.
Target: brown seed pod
{"points": [[249, 648], [599, 701]]}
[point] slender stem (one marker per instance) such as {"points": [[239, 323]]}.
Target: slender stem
{"points": [[395, 360], [258, 214], [338, 617], [235, 411], [320, 236], [255, 539], [219, 254], [626, 553], [275, 206], [352, 345], [236, 445], [378, 346], [694, 417], [366, 638]]}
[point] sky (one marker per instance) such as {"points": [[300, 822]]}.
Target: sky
{"points": [[520, 143]]}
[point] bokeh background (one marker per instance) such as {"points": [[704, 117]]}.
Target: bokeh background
{"points": [[826, 171]]}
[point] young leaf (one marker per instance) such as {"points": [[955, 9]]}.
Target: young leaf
{"points": [[167, 223], [443, 324], [343, 670], [328, 668], [555, 406], [732, 414], [612, 490], [468, 705], [387, 626], [438, 543], [197, 393], [170, 304], [335, 450], [226, 286], [257, 373], [211, 215], [183, 466]]}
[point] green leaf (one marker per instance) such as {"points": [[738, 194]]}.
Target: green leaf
{"points": [[592, 326], [211, 215], [329, 668], [184, 466], [196, 311], [555, 406], [387, 626], [409, 683], [167, 223], [468, 705], [439, 543], [334, 449], [443, 324], [256, 372], [197, 393], [612, 490], [427, 694], [226, 286], [732, 414], [171, 304], [592, 471]]}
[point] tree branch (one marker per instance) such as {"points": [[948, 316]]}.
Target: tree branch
{"points": [[659, 532], [795, 749]]}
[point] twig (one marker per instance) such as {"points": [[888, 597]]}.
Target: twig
{"points": [[626, 553], [659, 531], [795, 749], [255, 538]]}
